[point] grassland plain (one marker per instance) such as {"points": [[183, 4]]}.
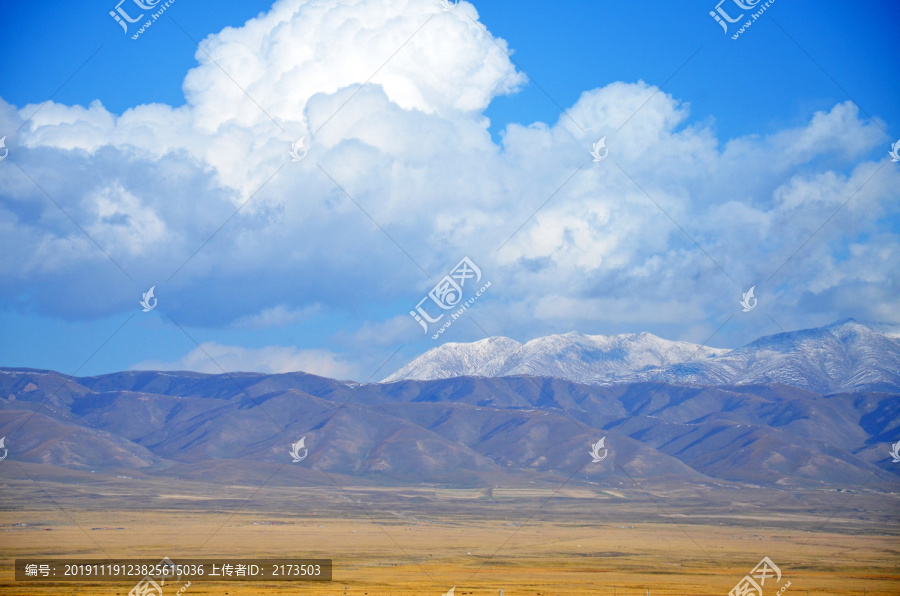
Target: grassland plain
{"points": [[422, 540]]}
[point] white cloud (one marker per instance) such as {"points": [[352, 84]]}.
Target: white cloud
{"points": [[413, 150], [121, 219], [391, 332], [214, 358], [278, 316]]}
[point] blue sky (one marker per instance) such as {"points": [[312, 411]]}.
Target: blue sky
{"points": [[712, 183]]}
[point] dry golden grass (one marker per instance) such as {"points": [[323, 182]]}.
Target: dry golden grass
{"points": [[578, 540], [395, 554]]}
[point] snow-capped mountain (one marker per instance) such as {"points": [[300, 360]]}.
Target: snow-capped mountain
{"points": [[592, 359], [843, 356]]}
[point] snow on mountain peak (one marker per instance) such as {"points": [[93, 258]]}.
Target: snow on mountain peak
{"points": [[572, 356], [843, 356], [482, 358]]}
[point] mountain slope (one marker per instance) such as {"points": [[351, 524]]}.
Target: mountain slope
{"points": [[462, 431]]}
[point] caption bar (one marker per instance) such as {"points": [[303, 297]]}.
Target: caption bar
{"points": [[112, 570]]}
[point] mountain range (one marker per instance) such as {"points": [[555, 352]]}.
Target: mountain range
{"points": [[844, 356], [815, 409]]}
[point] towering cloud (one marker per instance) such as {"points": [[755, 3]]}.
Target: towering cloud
{"points": [[390, 96]]}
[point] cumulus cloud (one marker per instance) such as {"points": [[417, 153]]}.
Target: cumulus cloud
{"points": [[666, 231]]}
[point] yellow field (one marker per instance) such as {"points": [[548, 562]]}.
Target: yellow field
{"points": [[526, 540], [394, 553]]}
